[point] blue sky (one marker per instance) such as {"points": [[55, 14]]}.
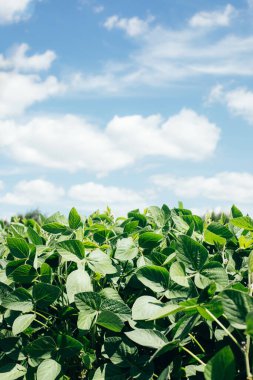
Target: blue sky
{"points": [[125, 103]]}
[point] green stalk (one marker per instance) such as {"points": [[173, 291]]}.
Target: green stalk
{"points": [[197, 342], [193, 355]]}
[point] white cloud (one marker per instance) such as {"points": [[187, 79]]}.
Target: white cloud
{"points": [[213, 19], [72, 144], [12, 11], [98, 8], [19, 61], [133, 26], [18, 91], [165, 55], [91, 193], [20, 88], [225, 186], [186, 135], [239, 101], [33, 193]]}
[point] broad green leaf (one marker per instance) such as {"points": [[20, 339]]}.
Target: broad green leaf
{"points": [[18, 247], [78, 281], [71, 250], [236, 305], [250, 262], [144, 307], [68, 346], [45, 294], [5, 291], [121, 351], [100, 262], [157, 215], [177, 274], [126, 249], [110, 372], [22, 322], [221, 366], [193, 254], [220, 230], [154, 277], [24, 274], [150, 240], [244, 222], [236, 213], [165, 311], [213, 239], [54, 228], [34, 237], [147, 338], [41, 348], [48, 370], [212, 272], [12, 371], [46, 273], [74, 219], [110, 321], [19, 300]]}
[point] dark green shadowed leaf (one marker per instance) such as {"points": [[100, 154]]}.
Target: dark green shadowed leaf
{"points": [[18, 247], [221, 366], [193, 254], [150, 240]]}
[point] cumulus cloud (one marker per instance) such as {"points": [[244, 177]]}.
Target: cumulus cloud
{"points": [[95, 193], [20, 87], [214, 18], [72, 144], [18, 91], [239, 101], [32, 193], [18, 59], [133, 26], [12, 11], [225, 186]]}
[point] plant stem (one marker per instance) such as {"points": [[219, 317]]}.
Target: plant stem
{"points": [[41, 315], [197, 342], [224, 328], [193, 355], [42, 324]]}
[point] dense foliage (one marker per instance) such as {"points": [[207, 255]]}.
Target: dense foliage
{"points": [[160, 295]]}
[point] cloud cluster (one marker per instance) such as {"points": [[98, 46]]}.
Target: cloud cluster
{"points": [[13, 10], [225, 186], [239, 100], [72, 144], [133, 26], [213, 19], [21, 84]]}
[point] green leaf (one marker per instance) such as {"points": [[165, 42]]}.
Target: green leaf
{"points": [[12, 371], [74, 219], [126, 249], [165, 311], [147, 338], [150, 240], [249, 324], [100, 262], [45, 294], [68, 346], [34, 237], [71, 250], [46, 273], [236, 213], [236, 305], [110, 321], [19, 300], [21, 323], [154, 277], [78, 281], [48, 370], [157, 215], [244, 222], [144, 307], [24, 274], [177, 274], [193, 254], [54, 228], [41, 348], [212, 272], [121, 351], [18, 247], [221, 366], [250, 262]]}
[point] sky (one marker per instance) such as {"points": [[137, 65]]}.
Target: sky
{"points": [[127, 104]]}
